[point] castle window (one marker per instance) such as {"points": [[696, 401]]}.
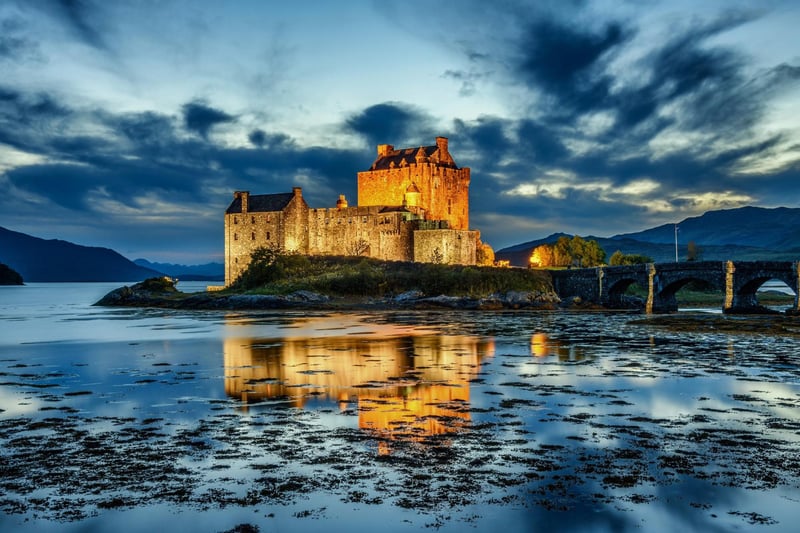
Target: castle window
{"points": [[449, 206], [253, 236], [268, 218], [235, 237], [267, 235], [364, 220], [235, 220], [252, 220]]}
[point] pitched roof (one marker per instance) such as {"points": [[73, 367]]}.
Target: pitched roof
{"points": [[407, 154], [262, 203]]}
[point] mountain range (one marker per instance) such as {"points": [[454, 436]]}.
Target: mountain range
{"points": [[746, 233], [204, 272], [56, 260]]}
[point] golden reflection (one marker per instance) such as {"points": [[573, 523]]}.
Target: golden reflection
{"points": [[543, 346], [403, 386]]}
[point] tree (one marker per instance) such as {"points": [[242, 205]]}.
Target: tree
{"points": [[562, 253], [359, 247], [484, 254], [542, 256], [620, 259], [693, 252]]}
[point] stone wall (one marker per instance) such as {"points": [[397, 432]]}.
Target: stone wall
{"points": [[445, 246], [359, 231]]}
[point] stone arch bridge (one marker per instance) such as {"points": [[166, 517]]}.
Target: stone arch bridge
{"points": [[738, 280]]}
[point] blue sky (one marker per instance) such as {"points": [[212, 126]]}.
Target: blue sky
{"points": [[130, 124]]}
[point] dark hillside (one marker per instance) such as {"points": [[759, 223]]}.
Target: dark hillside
{"points": [[56, 260]]}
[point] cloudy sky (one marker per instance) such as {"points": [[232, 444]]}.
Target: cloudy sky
{"points": [[130, 124]]}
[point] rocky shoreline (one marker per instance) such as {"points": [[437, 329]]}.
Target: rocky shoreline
{"points": [[161, 292]]}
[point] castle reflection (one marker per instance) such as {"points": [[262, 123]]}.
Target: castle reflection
{"points": [[407, 386], [544, 346]]}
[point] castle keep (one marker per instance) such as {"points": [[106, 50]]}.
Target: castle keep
{"points": [[413, 205]]}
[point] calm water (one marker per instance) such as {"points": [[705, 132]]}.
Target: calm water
{"points": [[132, 419]]}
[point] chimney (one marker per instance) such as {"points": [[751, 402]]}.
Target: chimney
{"points": [[384, 149], [441, 143], [341, 203], [245, 197], [297, 191]]}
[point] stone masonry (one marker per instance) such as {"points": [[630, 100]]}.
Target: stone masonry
{"points": [[413, 206]]}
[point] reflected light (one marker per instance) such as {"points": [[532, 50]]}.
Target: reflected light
{"points": [[405, 387]]}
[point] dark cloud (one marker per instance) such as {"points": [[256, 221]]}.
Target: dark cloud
{"points": [[14, 43], [80, 16], [567, 62], [391, 123], [199, 117], [24, 117], [269, 141]]}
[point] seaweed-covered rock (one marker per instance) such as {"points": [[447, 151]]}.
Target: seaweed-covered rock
{"points": [[147, 292]]}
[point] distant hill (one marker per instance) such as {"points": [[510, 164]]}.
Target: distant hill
{"points": [[744, 234], [56, 260], [205, 272], [9, 276], [774, 229]]}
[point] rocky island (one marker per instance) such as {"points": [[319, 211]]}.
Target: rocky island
{"points": [[325, 282]]}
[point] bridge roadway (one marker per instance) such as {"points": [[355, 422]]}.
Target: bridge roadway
{"points": [[739, 280]]}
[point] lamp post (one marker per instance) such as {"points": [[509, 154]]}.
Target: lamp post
{"points": [[676, 243]]}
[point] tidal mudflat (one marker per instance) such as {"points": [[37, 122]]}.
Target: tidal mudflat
{"points": [[523, 421]]}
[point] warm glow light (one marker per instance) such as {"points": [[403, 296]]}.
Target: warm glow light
{"points": [[539, 346]]}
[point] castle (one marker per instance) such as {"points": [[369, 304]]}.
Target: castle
{"points": [[413, 205]]}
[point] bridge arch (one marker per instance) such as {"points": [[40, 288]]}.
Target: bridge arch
{"points": [[749, 277], [617, 289]]}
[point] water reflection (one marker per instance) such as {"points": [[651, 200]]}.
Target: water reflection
{"points": [[542, 345], [403, 387]]}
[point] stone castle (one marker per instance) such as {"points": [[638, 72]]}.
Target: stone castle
{"points": [[413, 205]]}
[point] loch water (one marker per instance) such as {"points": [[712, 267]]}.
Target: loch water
{"points": [[134, 419]]}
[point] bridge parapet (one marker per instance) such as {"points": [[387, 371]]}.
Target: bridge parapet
{"points": [[738, 280]]}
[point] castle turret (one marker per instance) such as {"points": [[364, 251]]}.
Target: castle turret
{"points": [[412, 196], [384, 149], [341, 203]]}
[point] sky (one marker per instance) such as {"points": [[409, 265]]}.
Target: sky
{"points": [[130, 124]]}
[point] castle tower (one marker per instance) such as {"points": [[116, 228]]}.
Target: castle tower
{"points": [[440, 187]]}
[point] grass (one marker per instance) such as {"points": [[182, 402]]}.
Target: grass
{"points": [[359, 276]]}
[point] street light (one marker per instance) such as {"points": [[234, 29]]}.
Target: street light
{"points": [[676, 243]]}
